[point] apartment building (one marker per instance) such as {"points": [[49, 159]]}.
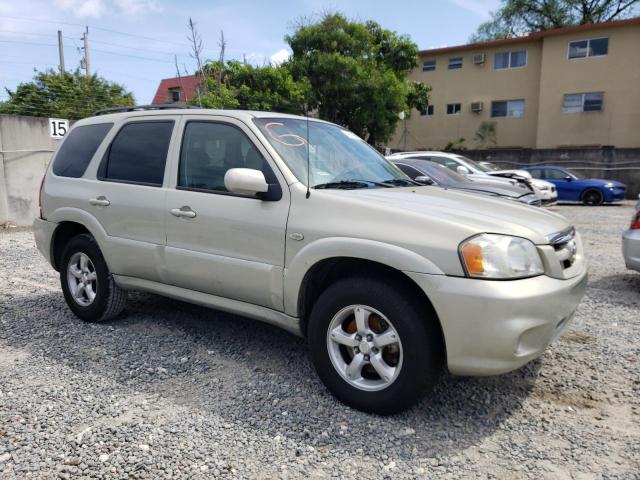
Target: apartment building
{"points": [[576, 86]]}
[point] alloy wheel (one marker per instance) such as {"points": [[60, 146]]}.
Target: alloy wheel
{"points": [[82, 279]]}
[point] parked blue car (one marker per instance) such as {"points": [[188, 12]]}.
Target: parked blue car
{"points": [[574, 188]]}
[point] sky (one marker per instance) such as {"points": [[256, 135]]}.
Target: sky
{"points": [[133, 42]]}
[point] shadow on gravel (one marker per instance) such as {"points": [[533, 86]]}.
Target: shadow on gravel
{"points": [[250, 374]]}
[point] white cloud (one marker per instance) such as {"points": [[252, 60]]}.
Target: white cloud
{"points": [[82, 8], [279, 57], [97, 8], [479, 7]]}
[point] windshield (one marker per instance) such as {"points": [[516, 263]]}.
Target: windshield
{"points": [[490, 166], [575, 175], [338, 158], [474, 164], [443, 175]]}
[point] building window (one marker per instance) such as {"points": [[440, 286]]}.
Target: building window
{"points": [[455, 63], [594, 47], [504, 60], [582, 102], [174, 94], [453, 108], [428, 66], [427, 112], [507, 108]]}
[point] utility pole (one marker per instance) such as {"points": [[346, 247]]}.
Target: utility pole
{"points": [[87, 65], [61, 51]]}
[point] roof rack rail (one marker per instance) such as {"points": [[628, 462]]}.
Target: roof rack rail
{"points": [[135, 108]]}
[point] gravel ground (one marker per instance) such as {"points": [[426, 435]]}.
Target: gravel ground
{"points": [[171, 390]]}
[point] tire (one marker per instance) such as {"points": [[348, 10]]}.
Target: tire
{"points": [[418, 357], [592, 197], [108, 299]]}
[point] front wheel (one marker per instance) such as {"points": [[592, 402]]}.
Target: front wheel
{"points": [[88, 286], [375, 347], [592, 197]]}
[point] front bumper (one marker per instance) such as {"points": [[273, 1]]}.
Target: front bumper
{"points": [[631, 249], [43, 233], [493, 327]]}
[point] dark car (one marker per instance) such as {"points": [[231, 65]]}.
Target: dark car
{"points": [[572, 187], [430, 173]]}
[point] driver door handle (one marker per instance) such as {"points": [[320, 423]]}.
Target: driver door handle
{"points": [[101, 200], [184, 211]]}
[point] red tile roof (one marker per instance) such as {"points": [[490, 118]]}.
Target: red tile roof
{"points": [[186, 84], [532, 36]]}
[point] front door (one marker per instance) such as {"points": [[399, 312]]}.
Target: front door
{"points": [[218, 242]]}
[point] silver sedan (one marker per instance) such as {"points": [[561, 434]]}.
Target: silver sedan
{"points": [[631, 241]]}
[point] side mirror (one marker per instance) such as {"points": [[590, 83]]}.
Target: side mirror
{"points": [[568, 178], [245, 181], [462, 170], [424, 180]]}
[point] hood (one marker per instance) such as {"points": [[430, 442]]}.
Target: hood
{"points": [[502, 189], [505, 173], [467, 212]]}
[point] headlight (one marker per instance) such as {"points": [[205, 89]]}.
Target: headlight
{"points": [[500, 257], [609, 185], [543, 187]]}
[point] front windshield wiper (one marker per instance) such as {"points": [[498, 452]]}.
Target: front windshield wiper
{"points": [[401, 181], [351, 184]]}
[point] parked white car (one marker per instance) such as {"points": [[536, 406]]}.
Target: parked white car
{"points": [[631, 241], [474, 171], [301, 224]]}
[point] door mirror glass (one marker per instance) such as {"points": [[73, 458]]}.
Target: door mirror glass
{"points": [[245, 181], [462, 170], [424, 180]]}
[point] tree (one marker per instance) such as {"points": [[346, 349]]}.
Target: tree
{"points": [[357, 74], [519, 17], [239, 85], [486, 134], [67, 95]]}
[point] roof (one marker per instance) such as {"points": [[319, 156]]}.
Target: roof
{"points": [[186, 84], [533, 36], [243, 115]]}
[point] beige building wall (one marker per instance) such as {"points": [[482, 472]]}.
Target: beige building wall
{"points": [[617, 74], [542, 83]]}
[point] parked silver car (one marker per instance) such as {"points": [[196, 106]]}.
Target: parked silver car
{"points": [[301, 224], [631, 241]]}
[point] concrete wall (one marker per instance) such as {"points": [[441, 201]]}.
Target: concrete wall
{"points": [[25, 151], [622, 164]]}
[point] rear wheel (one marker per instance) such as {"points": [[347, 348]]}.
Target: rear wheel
{"points": [[374, 347], [592, 197], [88, 286]]}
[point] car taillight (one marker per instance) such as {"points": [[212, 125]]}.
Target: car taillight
{"points": [[40, 196], [635, 221]]}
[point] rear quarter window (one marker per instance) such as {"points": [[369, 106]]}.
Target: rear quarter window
{"points": [[78, 149]]}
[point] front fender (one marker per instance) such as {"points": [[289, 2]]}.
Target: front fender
{"points": [[335, 247]]}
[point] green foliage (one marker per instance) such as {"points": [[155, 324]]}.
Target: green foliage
{"points": [[69, 95], [254, 88], [486, 134], [357, 74], [519, 17], [457, 144]]}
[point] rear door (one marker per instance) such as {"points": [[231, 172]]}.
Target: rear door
{"points": [[128, 196], [228, 245]]}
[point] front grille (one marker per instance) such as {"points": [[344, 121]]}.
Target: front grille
{"points": [[565, 246]]}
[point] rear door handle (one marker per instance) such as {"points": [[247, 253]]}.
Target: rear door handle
{"points": [[101, 200], [184, 211]]}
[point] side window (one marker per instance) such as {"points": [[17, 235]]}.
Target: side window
{"points": [[536, 173], [411, 172], [78, 149], [138, 153], [555, 174], [209, 149]]}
